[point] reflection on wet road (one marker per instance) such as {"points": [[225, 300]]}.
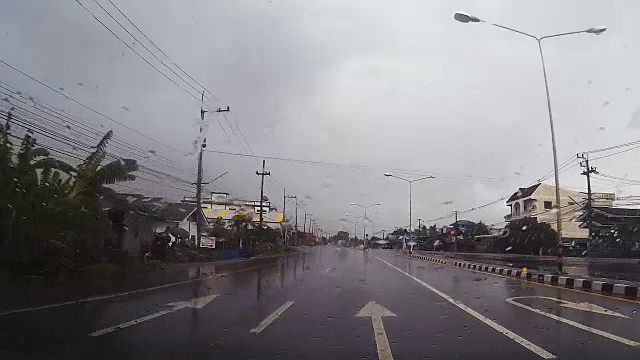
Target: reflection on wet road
{"points": [[333, 303]]}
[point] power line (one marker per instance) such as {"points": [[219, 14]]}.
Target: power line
{"points": [[615, 153], [89, 108], [26, 119], [564, 165], [94, 134], [159, 49], [248, 146], [135, 52], [156, 57], [64, 116], [347, 166], [241, 134], [35, 128], [613, 147], [143, 45]]}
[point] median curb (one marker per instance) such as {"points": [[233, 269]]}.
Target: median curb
{"points": [[587, 284], [429, 258]]}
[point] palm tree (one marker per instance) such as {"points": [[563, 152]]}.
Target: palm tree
{"points": [[91, 176]]}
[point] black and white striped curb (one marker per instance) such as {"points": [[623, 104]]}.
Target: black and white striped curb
{"points": [[598, 286], [429, 258]]}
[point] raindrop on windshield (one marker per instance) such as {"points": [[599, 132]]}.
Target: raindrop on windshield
{"points": [[635, 119], [517, 173], [509, 248], [448, 202], [61, 88], [627, 90], [124, 108], [606, 103], [601, 128]]}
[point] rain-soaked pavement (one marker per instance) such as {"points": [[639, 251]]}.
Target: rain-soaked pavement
{"points": [[304, 306]]}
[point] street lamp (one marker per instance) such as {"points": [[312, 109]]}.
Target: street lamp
{"points": [[466, 18], [364, 230], [355, 225], [404, 241]]}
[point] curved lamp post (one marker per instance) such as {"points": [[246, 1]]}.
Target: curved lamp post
{"points": [[364, 220], [404, 242], [466, 18]]}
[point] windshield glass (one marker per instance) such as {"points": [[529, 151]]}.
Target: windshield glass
{"points": [[331, 179]]}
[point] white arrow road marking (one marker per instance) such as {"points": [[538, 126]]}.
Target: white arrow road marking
{"points": [[584, 306], [376, 312], [573, 323], [196, 303], [271, 318], [501, 329]]}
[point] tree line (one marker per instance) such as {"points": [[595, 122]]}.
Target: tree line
{"points": [[50, 217]]}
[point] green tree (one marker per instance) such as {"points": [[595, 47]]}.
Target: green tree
{"points": [[527, 236], [50, 218], [468, 243], [91, 175]]}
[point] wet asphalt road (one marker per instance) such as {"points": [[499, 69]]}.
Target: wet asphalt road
{"points": [[441, 312]]}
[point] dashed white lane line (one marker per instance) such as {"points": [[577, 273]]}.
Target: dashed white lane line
{"points": [[271, 318], [501, 329]]}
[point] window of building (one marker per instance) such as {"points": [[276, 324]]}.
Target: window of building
{"points": [[516, 209], [548, 205]]}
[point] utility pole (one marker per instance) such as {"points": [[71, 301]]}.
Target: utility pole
{"points": [[285, 202], [419, 224], [455, 238], [587, 172], [199, 182], [304, 224], [262, 175]]}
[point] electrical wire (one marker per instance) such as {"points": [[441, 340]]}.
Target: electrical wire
{"points": [[94, 136], [159, 49], [189, 76], [133, 50], [90, 108], [347, 166], [145, 47], [34, 128]]}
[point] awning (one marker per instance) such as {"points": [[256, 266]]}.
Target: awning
{"points": [[225, 214]]}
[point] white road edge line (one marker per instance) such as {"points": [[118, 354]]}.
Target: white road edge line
{"points": [[110, 296], [501, 329], [576, 324], [271, 318]]}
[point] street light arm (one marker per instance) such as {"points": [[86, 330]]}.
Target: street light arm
{"points": [[514, 30], [397, 177], [423, 178], [564, 34]]}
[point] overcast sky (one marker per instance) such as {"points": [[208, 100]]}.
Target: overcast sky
{"points": [[378, 84]]}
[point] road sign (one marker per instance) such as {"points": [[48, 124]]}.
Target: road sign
{"points": [[208, 243]]}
